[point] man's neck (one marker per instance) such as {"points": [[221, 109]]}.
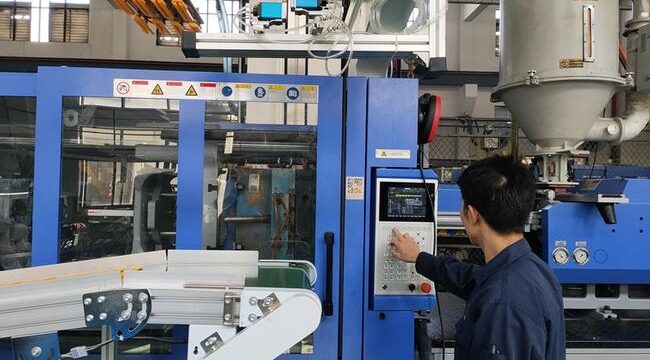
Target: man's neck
{"points": [[494, 244]]}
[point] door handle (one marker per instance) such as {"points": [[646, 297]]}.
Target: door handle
{"points": [[328, 304]]}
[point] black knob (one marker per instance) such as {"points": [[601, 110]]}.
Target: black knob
{"points": [[382, 316], [385, 287], [412, 287]]}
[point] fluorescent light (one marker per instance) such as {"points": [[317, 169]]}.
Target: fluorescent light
{"points": [[169, 38]]}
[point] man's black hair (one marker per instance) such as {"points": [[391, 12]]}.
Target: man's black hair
{"points": [[502, 190]]}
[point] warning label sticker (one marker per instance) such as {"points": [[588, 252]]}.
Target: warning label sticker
{"points": [[157, 90], [196, 90], [354, 188], [164, 89], [191, 91], [392, 154]]}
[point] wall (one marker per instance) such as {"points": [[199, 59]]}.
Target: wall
{"points": [[112, 36]]}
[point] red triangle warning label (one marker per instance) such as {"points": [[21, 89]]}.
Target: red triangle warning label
{"points": [[157, 90], [191, 91]]}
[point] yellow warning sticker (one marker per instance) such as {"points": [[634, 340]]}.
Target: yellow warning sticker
{"points": [[157, 90], [191, 91], [276, 87], [244, 86], [310, 88], [392, 154]]}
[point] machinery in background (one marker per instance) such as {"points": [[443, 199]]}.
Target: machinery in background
{"points": [[590, 224]]}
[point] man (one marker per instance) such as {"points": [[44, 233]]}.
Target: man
{"points": [[514, 306]]}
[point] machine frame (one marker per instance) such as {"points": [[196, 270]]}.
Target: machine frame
{"points": [[50, 85]]}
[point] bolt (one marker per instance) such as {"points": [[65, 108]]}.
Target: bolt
{"points": [[103, 316], [125, 315], [101, 299], [268, 301], [612, 129], [89, 318], [127, 298], [88, 301], [227, 317], [142, 315], [252, 317], [36, 351], [253, 301], [143, 297]]}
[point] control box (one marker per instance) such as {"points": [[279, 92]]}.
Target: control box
{"points": [[402, 201]]}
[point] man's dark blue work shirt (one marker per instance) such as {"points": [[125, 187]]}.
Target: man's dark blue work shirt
{"points": [[514, 305]]}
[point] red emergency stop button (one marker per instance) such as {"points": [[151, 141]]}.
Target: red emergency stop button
{"points": [[425, 287]]}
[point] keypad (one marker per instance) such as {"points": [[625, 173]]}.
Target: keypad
{"points": [[392, 275]]}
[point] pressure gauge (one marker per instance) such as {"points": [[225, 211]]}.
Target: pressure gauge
{"points": [[561, 255], [581, 255]]}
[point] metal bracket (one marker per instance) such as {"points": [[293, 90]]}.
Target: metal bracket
{"points": [[629, 79], [125, 311], [231, 309], [40, 347], [532, 78], [268, 304], [606, 313], [212, 343]]}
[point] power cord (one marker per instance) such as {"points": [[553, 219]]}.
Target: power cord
{"points": [[432, 204]]}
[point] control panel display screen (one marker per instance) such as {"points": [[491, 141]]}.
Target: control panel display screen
{"points": [[405, 202]]}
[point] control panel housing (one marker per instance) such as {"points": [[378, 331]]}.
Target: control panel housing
{"points": [[403, 203]]}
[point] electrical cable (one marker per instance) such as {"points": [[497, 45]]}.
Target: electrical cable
{"points": [[432, 204], [86, 349], [332, 23], [593, 164]]}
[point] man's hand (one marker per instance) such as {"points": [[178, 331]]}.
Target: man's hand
{"points": [[404, 247]]}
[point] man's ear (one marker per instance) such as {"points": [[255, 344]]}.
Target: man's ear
{"points": [[473, 215]]}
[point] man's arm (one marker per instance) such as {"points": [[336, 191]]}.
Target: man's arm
{"points": [[447, 271], [452, 274], [504, 332]]}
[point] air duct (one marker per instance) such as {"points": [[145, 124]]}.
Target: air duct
{"points": [[637, 116]]}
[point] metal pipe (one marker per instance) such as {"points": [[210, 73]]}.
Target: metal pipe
{"points": [[637, 116], [450, 221]]}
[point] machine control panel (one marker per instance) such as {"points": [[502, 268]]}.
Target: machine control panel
{"points": [[403, 204]]}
